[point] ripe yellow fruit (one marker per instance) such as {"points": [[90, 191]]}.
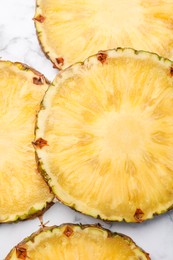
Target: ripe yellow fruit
{"points": [[68, 241], [107, 131], [23, 192], [70, 31]]}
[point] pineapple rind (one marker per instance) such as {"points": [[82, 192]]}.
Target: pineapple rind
{"points": [[155, 19], [42, 154], [33, 212], [35, 239], [36, 208]]}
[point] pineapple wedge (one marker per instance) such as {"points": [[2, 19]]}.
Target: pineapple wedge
{"points": [[70, 31], [82, 242], [104, 136], [23, 192]]}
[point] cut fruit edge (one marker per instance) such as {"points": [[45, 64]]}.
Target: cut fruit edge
{"points": [[141, 17], [33, 213], [61, 77], [38, 208], [68, 230]]}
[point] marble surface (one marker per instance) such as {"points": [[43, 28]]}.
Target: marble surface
{"points": [[18, 42]]}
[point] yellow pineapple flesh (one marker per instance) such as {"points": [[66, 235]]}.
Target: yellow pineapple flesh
{"points": [[71, 31], [108, 126], [23, 192], [77, 242]]}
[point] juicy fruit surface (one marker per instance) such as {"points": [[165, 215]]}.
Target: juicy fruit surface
{"points": [[22, 190], [77, 29], [108, 126], [78, 242]]}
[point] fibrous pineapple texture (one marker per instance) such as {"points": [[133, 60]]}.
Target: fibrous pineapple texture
{"points": [[23, 192], [77, 242], [104, 135], [70, 31]]}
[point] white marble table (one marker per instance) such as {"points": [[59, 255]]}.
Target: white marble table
{"points": [[18, 42]]}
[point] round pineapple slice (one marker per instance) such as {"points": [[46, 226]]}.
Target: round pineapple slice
{"points": [[23, 192], [70, 31], [82, 242], [104, 135]]}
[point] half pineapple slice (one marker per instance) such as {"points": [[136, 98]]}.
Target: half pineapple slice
{"points": [[68, 241], [70, 31], [23, 192], [104, 135]]}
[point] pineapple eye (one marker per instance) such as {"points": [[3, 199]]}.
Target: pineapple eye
{"points": [[22, 190], [108, 126], [71, 31], [77, 242]]}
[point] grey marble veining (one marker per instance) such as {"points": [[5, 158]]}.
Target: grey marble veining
{"points": [[18, 42]]}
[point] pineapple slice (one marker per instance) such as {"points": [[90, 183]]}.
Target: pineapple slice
{"points": [[104, 136], [82, 242], [70, 31], [23, 192]]}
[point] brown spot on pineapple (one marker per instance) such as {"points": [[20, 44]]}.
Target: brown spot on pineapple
{"points": [[68, 231], [102, 57], [39, 18], [60, 61], [38, 81], [139, 215], [21, 252], [171, 71], [40, 143]]}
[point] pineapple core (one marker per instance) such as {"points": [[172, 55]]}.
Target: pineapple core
{"points": [[109, 127], [71, 31]]}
